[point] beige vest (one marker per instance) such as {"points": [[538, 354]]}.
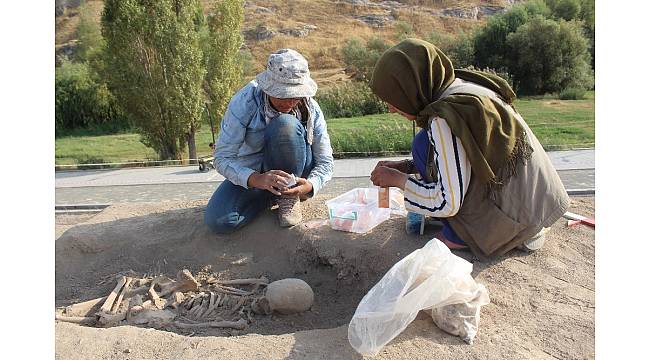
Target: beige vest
{"points": [[532, 199]]}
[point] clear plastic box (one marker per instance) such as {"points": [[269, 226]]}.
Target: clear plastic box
{"points": [[357, 210]]}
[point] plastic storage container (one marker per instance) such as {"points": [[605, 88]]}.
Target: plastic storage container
{"points": [[357, 211]]}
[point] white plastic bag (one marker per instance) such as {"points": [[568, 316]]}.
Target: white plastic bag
{"points": [[428, 278], [462, 319]]}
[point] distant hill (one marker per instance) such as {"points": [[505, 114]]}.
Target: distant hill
{"points": [[318, 28]]}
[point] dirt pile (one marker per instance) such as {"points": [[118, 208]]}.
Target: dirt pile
{"points": [[542, 303]]}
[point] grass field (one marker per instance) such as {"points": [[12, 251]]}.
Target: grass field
{"points": [[559, 124]]}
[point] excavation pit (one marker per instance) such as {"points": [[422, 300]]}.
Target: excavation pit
{"points": [[543, 302], [340, 267]]}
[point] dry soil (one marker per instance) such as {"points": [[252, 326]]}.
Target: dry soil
{"points": [[542, 304]]}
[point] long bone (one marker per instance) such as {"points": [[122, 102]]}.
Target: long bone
{"points": [[240, 324]]}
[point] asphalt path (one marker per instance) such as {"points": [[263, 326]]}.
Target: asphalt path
{"points": [[576, 169]]}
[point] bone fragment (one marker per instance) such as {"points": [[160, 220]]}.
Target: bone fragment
{"points": [[210, 305], [110, 299], [261, 306], [118, 302], [238, 305], [141, 282], [156, 300], [83, 308], [140, 290], [252, 281], [157, 317], [135, 306], [232, 291], [184, 282], [213, 305], [175, 300], [107, 319], [240, 324], [204, 308], [85, 320]]}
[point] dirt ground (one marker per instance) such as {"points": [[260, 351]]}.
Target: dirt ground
{"points": [[542, 304]]}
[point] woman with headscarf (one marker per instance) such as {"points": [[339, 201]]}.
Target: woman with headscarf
{"points": [[476, 164]]}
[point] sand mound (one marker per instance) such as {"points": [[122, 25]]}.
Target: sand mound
{"points": [[542, 303]]}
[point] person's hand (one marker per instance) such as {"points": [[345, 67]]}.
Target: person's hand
{"points": [[303, 187], [401, 166], [272, 180], [384, 176]]}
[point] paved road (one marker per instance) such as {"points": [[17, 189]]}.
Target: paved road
{"points": [[576, 168]]}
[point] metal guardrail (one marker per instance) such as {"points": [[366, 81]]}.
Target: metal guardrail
{"points": [[80, 208]]}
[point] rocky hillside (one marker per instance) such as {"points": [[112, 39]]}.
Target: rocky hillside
{"points": [[318, 28]]}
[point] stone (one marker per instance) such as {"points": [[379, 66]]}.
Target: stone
{"points": [[258, 33], [376, 20]]}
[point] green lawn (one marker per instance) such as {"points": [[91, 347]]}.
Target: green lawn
{"points": [[559, 124]]}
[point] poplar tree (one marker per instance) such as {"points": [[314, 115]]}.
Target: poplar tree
{"points": [[221, 41], [153, 63]]}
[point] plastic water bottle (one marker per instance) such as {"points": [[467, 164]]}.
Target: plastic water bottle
{"points": [[414, 222]]}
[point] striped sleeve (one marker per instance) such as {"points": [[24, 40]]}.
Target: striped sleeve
{"points": [[444, 197]]}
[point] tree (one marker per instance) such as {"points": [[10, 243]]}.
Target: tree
{"points": [[82, 102], [549, 56], [153, 64], [490, 49], [221, 40], [565, 9], [89, 34]]}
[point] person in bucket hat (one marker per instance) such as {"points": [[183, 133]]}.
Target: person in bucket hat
{"points": [[273, 147]]}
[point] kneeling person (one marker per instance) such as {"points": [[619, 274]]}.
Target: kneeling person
{"points": [[272, 133]]}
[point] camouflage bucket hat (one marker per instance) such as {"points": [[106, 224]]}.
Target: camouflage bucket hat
{"points": [[287, 76]]}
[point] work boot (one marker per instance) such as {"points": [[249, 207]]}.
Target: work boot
{"points": [[289, 212]]}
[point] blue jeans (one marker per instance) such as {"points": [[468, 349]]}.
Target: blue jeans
{"points": [[285, 148], [419, 149]]}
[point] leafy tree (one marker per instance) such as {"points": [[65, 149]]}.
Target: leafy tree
{"points": [[565, 9], [82, 102], [89, 34], [549, 56], [490, 49], [588, 17], [220, 41], [154, 66]]}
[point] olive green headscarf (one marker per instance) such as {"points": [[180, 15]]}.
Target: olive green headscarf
{"points": [[413, 74]]}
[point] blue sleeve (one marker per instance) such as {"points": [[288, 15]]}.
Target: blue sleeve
{"points": [[321, 150], [231, 137]]}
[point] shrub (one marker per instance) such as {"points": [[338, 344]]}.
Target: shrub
{"points": [[461, 51], [348, 100], [83, 102], [360, 59], [572, 94], [403, 30], [549, 56], [440, 40]]}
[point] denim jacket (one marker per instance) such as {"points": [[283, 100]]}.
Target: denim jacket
{"points": [[240, 145]]}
